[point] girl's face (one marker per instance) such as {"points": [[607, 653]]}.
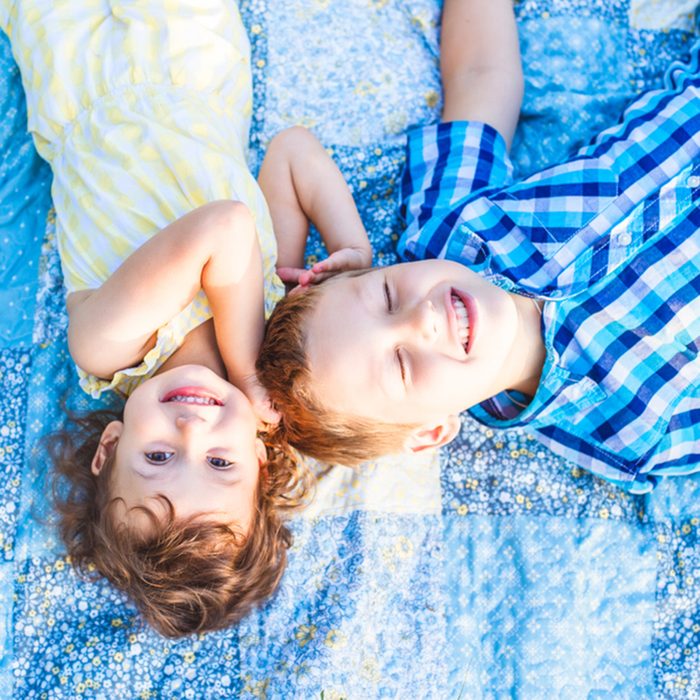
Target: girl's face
{"points": [[417, 342], [188, 435]]}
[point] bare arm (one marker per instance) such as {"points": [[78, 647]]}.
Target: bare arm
{"points": [[214, 248], [480, 64], [301, 183]]}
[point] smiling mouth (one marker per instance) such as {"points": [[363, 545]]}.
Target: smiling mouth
{"points": [[191, 395], [463, 326]]}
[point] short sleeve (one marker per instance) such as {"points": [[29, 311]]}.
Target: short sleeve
{"points": [[446, 163]]}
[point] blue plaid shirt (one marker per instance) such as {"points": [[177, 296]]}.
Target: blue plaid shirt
{"points": [[611, 241]]}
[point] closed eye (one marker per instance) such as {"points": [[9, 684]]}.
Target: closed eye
{"points": [[219, 463], [402, 364], [158, 457], [387, 295]]}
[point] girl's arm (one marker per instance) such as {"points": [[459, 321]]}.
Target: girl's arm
{"points": [[301, 183], [480, 64], [214, 248]]}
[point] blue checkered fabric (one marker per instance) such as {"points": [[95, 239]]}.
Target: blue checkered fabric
{"points": [[611, 241]]}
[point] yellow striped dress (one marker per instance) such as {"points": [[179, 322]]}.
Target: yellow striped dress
{"points": [[142, 108]]}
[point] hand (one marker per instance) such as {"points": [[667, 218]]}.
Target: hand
{"points": [[260, 400], [340, 261]]}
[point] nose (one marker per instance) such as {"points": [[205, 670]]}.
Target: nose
{"points": [[422, 320], [188, 422]]}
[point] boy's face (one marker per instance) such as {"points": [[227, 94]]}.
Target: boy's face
{"points": [[191, 436], [413, 343]]}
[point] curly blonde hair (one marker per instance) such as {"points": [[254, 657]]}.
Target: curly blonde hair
{"points": [[184, 575]]}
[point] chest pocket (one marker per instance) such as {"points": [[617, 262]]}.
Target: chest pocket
{"points": [[545, 232], [572, 400]]}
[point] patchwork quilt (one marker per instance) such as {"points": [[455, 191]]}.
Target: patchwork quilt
{"points": [[493, 570]]}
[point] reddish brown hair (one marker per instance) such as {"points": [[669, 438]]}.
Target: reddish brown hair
{"points": [[184, 575], [308, 425]]}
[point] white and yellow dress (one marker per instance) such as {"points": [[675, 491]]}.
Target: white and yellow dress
{"points": [[142, 108]]}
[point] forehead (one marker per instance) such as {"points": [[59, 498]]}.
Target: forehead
{"points": [[338, 322], [341, 306], [346, 343]]}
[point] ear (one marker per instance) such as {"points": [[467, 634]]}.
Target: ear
{"points": [[108, 444], [433, 435], [261, 454], [260, 451]]}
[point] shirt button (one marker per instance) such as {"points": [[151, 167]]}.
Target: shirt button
{"points": [[624, 238], [694, 181]]}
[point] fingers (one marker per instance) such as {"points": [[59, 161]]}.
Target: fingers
{"points": [[344, 259], [294, 276], [340, 261], [290, 275], [307, 277], [310, 277], [316, 277]]}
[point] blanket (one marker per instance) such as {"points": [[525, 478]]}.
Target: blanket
{"points": [[493, 570]]}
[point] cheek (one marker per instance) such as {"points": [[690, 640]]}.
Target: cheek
{"points": [[434, 384], [440, 380], [240, 424], [253, 466], [447, 387], [128, 488]]}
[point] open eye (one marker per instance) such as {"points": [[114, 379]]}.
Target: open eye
{"points": [[158, 457], [388, 297], [219, 463]]}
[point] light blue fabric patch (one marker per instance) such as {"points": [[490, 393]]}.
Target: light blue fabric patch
{"points": [[360, 613], [574, 87], [550, 607], [24, 202]]}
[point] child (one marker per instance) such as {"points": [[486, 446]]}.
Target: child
{"points": [[143, 115], [567, 303]]}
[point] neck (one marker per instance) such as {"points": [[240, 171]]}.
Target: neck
{"points": [[198, 348], [534, 353]]}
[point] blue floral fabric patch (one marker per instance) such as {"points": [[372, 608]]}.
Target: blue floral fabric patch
{"points": [[529, 578], [15, 366]]}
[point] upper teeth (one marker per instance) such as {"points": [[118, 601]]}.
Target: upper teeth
{"points": [[462, 320], [201, 400]]}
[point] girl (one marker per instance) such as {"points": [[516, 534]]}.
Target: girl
{"points": [[143, 114]]}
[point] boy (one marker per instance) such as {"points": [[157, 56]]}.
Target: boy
{"points": [[567, 303]]}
